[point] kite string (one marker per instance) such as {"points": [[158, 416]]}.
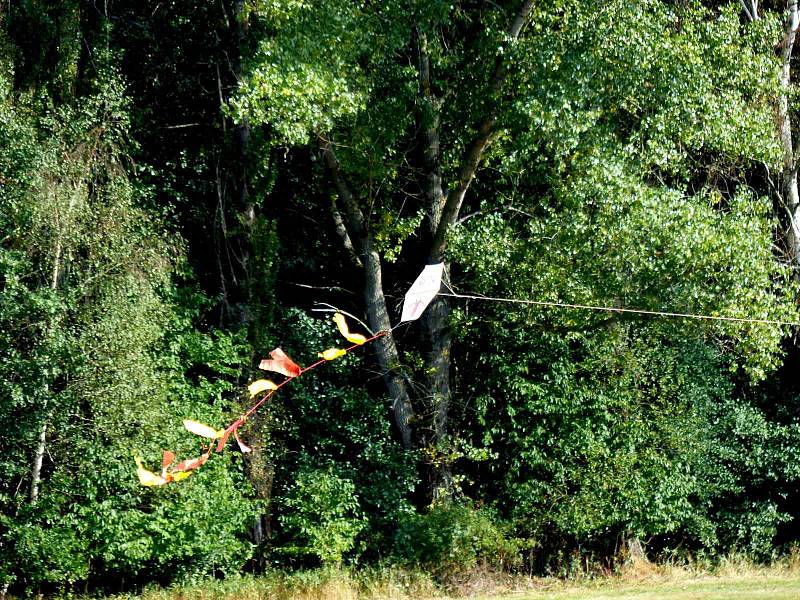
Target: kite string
{"points": [[621, 310], [452, 294]]}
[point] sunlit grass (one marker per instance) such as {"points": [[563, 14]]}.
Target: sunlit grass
{"points": [[733, 578], [701, 588]]}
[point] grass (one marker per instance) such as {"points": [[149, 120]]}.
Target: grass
{"points": [[753, 587], [731, 579], [703, 588]]}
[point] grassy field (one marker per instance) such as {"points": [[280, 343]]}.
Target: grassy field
{"points": [[734, 581], [772, 587]]}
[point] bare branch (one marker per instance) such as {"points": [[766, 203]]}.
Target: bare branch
{"points": [[182, 126], [341, 231], [325, 288], [750, 9], [330, 308], [355, 218]]}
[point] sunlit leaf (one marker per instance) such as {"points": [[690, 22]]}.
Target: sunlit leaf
{"points": [[332, 353], [261, 385], [202, 430], [280, 363], [353, 338]]}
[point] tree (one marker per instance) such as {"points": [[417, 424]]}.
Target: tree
{"points": [[631, 199], [787, 194], [401, 100], [296, 86]]}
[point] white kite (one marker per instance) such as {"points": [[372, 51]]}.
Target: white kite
{"points": [[422, 292]]}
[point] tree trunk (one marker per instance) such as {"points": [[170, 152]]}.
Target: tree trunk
{"points": [[443, 213], [261, 473], [634, 550], [233, 245], [41, 438], [436, 319], [374, 299], [789, 175], [38, 459], [436, 322], [789, 188], [385, 347], [248, 285]]}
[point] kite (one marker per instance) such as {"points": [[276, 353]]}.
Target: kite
{"points": [[422, 292], [280, 363], [353, 338]]}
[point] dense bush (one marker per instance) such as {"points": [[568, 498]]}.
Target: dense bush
{"points": [[453, 538], [322, 517], [153, 250]]}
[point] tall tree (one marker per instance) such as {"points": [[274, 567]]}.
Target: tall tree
{"points": [[429, 55]]}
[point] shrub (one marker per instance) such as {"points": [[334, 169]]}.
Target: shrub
{"points": [[454, 538], [322, 516]]}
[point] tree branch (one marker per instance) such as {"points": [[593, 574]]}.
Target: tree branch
{"points": [[374, 299], [341, 231], [429, 126], [475, 149], [751, 10], [353, 215]]}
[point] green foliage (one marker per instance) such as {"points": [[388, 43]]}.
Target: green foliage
{"points": [[626, 172], [322, 516], [308, 84], [327, 428], [647, 76], [391, 232], [631, 166], [455, 538], [607, 426], [98, 362]]}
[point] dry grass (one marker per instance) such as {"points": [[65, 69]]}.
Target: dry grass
{"points": [[735, 577], [317, 585]]}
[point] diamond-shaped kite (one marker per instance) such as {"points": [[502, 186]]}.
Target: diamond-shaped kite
{"points": [[422, 292]]}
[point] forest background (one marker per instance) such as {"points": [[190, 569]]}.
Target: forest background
{"points": [[181, 183]]}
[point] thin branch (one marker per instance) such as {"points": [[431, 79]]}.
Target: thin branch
{"points": [[330, 308], [221, 97], [341, 231], [466, 218], [182, 126], [752, 15], [521, 212], [325, 288]]}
